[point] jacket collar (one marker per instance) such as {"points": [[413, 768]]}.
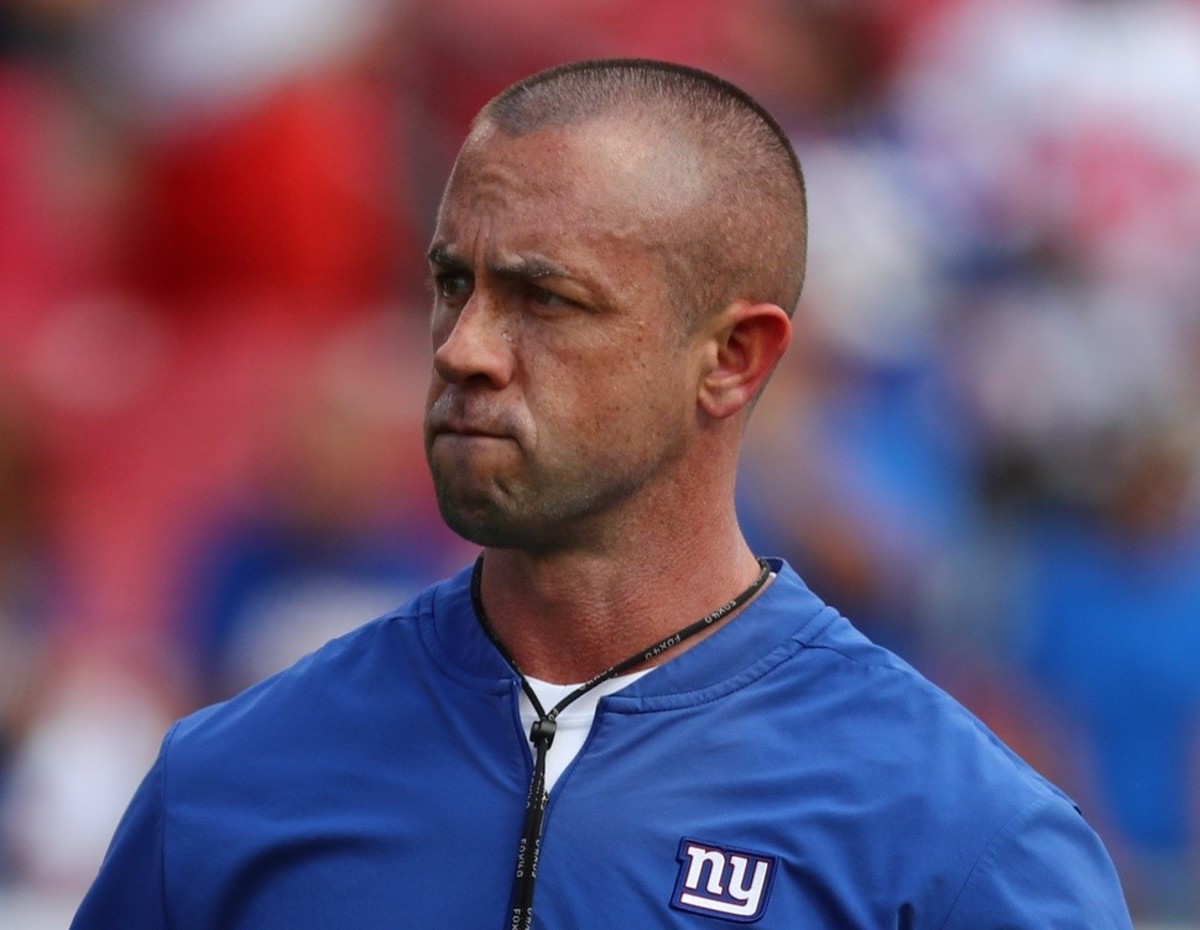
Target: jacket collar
{"points": [[780, 621]]}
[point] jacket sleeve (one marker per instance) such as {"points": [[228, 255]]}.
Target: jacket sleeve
{"points": [[1045, 868], [129, 891]]}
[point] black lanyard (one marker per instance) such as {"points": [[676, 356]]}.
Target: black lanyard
{"points": [[541, 734]]}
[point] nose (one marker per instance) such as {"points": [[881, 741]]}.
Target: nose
{"points": [[476, 345]]}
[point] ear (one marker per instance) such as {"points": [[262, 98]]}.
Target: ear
{"points": [[744, 343]]}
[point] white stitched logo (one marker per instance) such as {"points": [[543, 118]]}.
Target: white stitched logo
{"points": [[719, 881]]}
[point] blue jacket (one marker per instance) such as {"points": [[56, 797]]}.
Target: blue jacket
{"points": [[785, 772]]}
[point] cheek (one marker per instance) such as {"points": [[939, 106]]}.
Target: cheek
{"points": [[568, 391], [604, 391], [618, 407]]}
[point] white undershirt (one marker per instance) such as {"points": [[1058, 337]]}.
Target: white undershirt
{"points": [[575, 721]]}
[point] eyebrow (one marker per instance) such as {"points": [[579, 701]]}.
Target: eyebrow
{"points": [[444, 257], [526, 268]]}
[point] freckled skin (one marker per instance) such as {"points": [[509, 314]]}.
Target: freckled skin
{"points": [[564, 391]]}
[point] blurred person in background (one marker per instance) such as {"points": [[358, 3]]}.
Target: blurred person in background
{"points": [[174, 232], [341, 524], [1091, 462], [60, 191], [27, 598], [268, 141], [1070, 132]]}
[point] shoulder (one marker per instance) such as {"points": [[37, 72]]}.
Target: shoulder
{"points": [[1044, 863], [1002, 844], [906, 734]]}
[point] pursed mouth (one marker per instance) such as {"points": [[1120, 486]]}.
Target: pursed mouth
{"points": [[464, 432]]}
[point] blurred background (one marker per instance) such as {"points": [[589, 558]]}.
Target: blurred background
{"points": [[984, 446]]}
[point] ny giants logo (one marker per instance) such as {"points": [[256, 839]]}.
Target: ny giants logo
{"points": [[718, 881]]}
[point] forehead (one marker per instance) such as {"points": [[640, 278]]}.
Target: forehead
{"points": [[599, 183]]}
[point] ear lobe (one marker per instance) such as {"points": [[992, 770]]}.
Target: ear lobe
{"points": [[747, 342]]}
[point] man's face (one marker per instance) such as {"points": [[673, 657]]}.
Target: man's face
{"points": [[564, 387]]}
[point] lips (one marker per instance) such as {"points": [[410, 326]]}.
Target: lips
{"points": [[450, 418], [467, 430]]}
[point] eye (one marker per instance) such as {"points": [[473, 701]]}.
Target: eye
{"points": [[545, 298], [450, 285]]}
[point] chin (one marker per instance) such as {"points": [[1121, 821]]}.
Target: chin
{"points": [[478, 521], [492, 528]]}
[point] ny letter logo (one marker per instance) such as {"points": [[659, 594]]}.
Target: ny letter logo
{"points": [[722, 882]]}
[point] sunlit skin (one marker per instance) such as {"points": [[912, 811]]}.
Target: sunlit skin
{"points": [[574, 426]]}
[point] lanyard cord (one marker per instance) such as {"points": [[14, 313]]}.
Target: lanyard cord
{"points": [[541, 734]]}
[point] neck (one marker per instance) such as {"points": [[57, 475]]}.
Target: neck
{"points": [[567, 616]]}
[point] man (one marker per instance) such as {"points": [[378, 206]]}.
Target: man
{"points": [[616, 259]]}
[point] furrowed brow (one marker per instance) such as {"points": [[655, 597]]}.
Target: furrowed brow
{"points": [[528, 269]]}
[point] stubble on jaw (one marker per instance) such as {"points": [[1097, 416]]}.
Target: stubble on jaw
{"points": [[542, 513]]}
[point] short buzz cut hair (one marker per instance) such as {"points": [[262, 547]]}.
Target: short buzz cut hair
{"points": [[750, 239]]}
